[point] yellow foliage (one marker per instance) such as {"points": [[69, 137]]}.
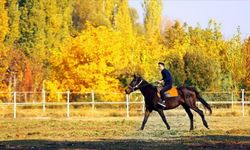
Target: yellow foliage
{"points": [[52, 87], [92, 61], [3, 21], [99, 55], [153, 17], [107, 48]]}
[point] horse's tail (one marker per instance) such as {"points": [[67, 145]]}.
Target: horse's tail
{"points": [[201, 99]]}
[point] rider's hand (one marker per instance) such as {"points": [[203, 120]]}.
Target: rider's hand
{"points": [[160, 81]]}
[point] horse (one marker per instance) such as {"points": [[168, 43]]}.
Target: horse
{"points": [[187, 97]]}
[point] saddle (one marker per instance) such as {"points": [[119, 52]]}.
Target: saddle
{"points": [[170, 93]]}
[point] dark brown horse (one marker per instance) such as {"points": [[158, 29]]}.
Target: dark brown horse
{"points": [[187, 98]]}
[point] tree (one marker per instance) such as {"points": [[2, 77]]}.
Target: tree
{"points": [[154, 49], [123, 19], [177, 68], [93, 61], [95, 11], [152, 18], [137, 27], [3, 21], [14, 15], [236, 60], [175, 35], [200, 70], [247, 56], [3, 50]]}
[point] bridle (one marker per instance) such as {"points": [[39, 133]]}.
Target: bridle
{"points": [[136, 86]]}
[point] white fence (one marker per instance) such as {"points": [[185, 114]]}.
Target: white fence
{"points": [[231, 100]]}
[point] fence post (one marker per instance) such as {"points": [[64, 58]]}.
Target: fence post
{"points": [[14, 105], [68, 103], [242, 101], [127, 104], [93, 100], [44, 97]]}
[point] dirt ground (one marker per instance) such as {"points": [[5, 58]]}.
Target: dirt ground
{"points": [[122, 133]]}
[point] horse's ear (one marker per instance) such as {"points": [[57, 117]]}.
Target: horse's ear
{"points": [[134, 76]]}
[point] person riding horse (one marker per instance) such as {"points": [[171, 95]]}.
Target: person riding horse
{"points": [[187, 97], [167, 79]]}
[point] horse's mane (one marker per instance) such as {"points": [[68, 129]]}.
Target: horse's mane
{"points": [[152, 86]]}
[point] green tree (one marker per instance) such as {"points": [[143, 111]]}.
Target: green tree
{"points": [[200, 70], [176, 65], [44, 27]]}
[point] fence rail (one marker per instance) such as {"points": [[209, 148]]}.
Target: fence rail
{"points": [[127, 101]]}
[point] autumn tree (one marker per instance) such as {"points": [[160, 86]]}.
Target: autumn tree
{"points": [[14, 18], [85, 45], [153, 44], [175, 35], [44, 27], [3, 21], [92, 62], [177, 43], [247, 56], [236, 63], [95, 11], [152, 18], [3, 50], [137, 26]]}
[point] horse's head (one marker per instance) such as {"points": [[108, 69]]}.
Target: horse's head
{"points": [[134, 84]]}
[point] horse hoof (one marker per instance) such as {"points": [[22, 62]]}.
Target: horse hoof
{"points": [[168, 128], [206, 126]]}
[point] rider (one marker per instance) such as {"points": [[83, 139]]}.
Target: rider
{"points": [[167, 79]]}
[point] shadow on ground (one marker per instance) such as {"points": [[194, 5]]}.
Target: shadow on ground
{"points": [[192, 142]]}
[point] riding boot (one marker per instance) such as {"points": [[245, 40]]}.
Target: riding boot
{"points": [[162, 102]]}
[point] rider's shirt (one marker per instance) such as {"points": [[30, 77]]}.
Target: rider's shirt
{"points": [[166, 76]]}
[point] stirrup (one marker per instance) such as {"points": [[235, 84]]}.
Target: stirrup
{"points": [[162, 103]]}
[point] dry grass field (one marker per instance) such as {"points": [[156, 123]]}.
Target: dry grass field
{"points": [[87, 129]]}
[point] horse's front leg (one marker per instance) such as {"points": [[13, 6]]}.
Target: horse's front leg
{"points": [[146, 115], [160, 111]]}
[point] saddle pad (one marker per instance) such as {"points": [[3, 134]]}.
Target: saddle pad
{"points": [[172, 92]]}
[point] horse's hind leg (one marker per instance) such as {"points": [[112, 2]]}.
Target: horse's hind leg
{"points": [[146, 115], [160, 111], [190, 115], [200, 112]]}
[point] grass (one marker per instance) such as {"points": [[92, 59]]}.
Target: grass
{"points": [[122, 133]]}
